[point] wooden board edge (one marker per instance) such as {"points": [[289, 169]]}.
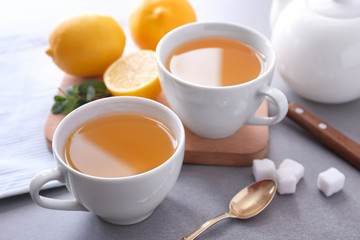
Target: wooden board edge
{"points": [[227, 159]]}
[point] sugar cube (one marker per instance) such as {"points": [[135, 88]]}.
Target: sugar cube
{"points": [[264, 168], [295, 167], [330, 181], [286, 181]]}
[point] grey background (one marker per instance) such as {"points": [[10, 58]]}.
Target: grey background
{"points": [[201, 192]]}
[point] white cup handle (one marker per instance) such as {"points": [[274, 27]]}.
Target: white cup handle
{"points": [[40, 180], [281, 103]]}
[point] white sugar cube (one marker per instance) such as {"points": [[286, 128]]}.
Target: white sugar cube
{"points": [[286, 181], [295, 167], [264, 168], [330, 181]]}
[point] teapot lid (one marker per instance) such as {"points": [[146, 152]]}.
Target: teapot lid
{"points": [[336, 8]]}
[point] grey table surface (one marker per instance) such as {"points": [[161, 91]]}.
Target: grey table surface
{"points": [[201, 192]]}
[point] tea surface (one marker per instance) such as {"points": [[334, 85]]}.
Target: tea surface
{"points": [[119, 145], [215, 61]]}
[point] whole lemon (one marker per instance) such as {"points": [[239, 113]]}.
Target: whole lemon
{"points": [[86, 45], [152, 19]]}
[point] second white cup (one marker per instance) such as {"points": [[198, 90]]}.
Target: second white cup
{"points": [[218, 112]]}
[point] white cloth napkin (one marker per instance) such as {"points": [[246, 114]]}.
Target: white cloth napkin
{"points": [[28, 82]]}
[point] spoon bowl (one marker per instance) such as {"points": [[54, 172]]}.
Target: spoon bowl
{"points": [[253, 199], [247, 203]]}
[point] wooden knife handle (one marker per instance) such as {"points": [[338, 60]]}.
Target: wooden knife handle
{"points": [[345, 147]]}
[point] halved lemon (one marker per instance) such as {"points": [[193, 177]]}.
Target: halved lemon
{"points": [[135, 74]]}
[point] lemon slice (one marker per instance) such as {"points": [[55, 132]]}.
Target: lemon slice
{"points": [[135, 74]]}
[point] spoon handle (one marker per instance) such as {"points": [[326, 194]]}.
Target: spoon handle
{"points": [[206, 225]]}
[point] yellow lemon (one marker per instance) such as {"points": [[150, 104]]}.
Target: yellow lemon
{"points": [[135, 74], [152, 19], [86, 45]]}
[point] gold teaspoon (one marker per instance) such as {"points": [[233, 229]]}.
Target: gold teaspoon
{"points": [[247, 203]]}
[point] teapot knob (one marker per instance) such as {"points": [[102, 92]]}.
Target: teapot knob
{"points": [[336, 8]]}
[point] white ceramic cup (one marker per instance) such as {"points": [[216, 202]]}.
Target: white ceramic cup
{"points": [[218, 112], [122, 200]]}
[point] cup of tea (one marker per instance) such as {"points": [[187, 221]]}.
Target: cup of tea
{"points": [[119, 157], [216, 75]]}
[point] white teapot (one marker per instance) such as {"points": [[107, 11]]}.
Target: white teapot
{"points": [[317, 43]]}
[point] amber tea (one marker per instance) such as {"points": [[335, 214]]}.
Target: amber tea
{"points": [[215, 61], [118, 145]]}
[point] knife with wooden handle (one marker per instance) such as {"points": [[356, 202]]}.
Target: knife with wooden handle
{"points": [[345, 147]]}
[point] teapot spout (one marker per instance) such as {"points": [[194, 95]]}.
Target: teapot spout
{"points": [[276, 8]]}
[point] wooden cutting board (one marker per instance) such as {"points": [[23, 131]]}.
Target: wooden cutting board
{"points": [[250, 142]]}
